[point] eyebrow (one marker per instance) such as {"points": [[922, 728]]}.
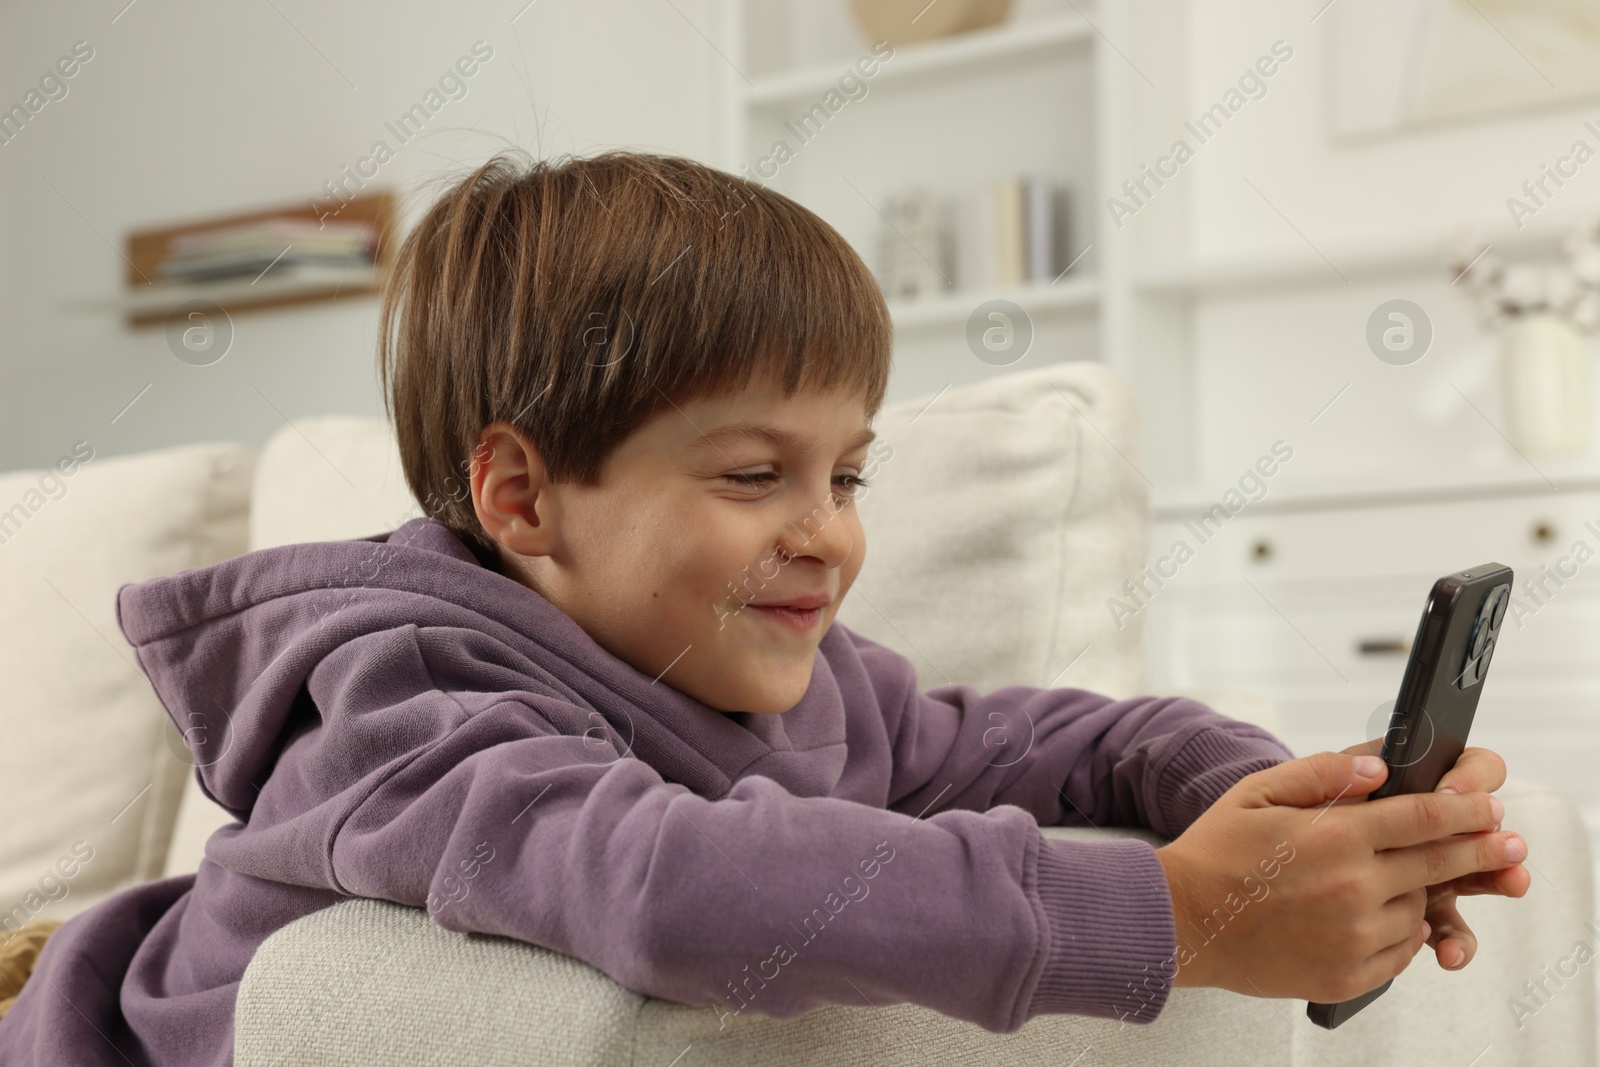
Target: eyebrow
{"points": [[772, 435]]}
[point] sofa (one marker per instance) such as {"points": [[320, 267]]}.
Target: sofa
{"points": [[1021, 493]]}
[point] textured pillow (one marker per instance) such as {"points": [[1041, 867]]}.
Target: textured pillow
{"points": [[92, 768], [331, 478], [999, 519]]}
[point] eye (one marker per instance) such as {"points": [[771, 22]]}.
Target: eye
{"points": [[751, 480], [851, 482]]}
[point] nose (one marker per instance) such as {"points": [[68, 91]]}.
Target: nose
{"points": [[825, 532]]}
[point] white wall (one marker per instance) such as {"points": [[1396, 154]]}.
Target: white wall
{"points": [[1347, 194], [1265, 360], [190, 110]]}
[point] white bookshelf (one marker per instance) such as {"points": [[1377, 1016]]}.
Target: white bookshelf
{"points": [[1030, 95]]}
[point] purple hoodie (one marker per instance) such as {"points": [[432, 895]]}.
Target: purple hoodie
{"points": [[387, 717]]}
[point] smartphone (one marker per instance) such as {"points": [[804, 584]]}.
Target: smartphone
{"points": [[1438, 697]]}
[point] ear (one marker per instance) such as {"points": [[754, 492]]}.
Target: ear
{"points": [[510, 492]]}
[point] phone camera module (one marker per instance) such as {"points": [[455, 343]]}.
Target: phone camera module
{"points": [[1480, 647], [1501, 597], [1480, 632]]}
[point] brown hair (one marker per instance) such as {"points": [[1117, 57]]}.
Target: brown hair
{"points": [[576, 298]]}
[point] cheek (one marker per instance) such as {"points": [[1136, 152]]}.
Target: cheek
{"points": [[689, 554], [631, 546], [858, 551]]}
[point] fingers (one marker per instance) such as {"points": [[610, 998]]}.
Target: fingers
{"points": [[1436, 862], [1381, 965], [1452, 939], [1313, 780], [1389, 962], [1373, 747], [1412, 818], [1399, 916], [1511, 881], [1477, 770]]}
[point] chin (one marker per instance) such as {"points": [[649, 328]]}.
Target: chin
{"points": [[774, 706], [772, 698]]}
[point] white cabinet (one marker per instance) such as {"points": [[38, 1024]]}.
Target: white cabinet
{"points": [[1314, 605]]}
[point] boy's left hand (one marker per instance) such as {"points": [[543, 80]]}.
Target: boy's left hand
{"points": [[1478, 770]]}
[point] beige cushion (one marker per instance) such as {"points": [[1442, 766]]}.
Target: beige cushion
{"points": [[1004, 517], [328, 479], [90, 755], [367, 982]]}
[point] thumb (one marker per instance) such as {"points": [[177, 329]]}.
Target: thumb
{"points": [[1315, 779]]}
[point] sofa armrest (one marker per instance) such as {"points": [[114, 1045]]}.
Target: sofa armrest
{"points": [[369, 982]]}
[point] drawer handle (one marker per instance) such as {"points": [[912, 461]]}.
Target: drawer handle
{"points": [[1383, 646]]}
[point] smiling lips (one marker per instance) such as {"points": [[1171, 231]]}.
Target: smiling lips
{"points": [[799, 614]]}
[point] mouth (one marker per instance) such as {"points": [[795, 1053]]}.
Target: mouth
{"points": [[800, 621], [799, 615]]}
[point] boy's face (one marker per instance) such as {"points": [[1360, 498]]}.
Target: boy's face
{"points": [[668, 561]]}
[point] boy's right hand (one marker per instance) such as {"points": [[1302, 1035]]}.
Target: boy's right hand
{"points": [[1344, 912]]}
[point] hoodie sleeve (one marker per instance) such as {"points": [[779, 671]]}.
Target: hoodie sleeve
{"points": [[759, 900], [1067, 756]]}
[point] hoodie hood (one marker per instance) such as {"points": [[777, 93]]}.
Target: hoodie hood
{"points": [[230, 648]]}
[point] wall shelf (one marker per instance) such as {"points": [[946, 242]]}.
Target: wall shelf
{"points": [[149, 299], [298, 283], [1258, 275], [1183, 500]]}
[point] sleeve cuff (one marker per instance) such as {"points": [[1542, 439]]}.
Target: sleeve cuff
{"points": [[1111, 941], [1218, 752]]}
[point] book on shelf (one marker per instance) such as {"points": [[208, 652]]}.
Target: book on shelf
{"points": [[1012, 231], [248, 249]]}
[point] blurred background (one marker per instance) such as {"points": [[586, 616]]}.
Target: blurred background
{"points": [[1345, 251]]}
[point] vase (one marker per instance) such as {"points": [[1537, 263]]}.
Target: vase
{"points": [[907, 21], [1544, 379]]}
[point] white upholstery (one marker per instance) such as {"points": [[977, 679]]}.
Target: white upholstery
{"points": [[90, 756], [997, 527], [328, 478]]}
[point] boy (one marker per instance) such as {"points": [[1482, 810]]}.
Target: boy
{"points": [[560, 709]]}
